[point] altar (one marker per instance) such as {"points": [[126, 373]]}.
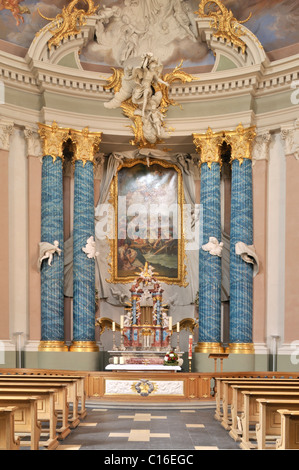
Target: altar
{"points": [[146, 330]]}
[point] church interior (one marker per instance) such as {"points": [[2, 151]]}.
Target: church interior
{"points": [[149, 166]]}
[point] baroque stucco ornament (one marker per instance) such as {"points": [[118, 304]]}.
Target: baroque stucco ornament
{"points": [[90, 248], [213, 247], [142, 93], [224, 22]]}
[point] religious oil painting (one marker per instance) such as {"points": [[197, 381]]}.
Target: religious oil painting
{"points": [[148, 204]]}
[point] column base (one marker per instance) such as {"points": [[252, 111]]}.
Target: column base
{"points": [[52, 346], [84, 346], [240, 348], [211, 348]]}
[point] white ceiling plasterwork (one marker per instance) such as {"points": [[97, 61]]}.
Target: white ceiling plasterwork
{"points": [[208, 100]]}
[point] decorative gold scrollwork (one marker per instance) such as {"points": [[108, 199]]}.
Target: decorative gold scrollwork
{"points": [[224, 22], [69, 21]]}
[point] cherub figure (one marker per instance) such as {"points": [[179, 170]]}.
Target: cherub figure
{"points": [[90, 248], [47, 251]]}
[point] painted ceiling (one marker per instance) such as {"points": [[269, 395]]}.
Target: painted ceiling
{"points": [[274, 22]]}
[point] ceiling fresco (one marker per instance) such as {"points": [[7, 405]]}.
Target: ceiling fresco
{"points": [[274, 22]]}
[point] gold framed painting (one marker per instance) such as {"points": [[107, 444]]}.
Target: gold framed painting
{"points": [[148, 201]]}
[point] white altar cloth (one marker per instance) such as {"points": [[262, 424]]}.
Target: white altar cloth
{"points": [[142, 367]]}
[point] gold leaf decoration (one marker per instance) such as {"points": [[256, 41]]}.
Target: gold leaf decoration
{"points": [[69, 22], [224, 22]]}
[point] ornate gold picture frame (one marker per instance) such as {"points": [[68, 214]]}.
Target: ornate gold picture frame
{"points": [[148, 201]]}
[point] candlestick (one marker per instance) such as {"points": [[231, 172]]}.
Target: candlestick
{"points": [[190, 347]]}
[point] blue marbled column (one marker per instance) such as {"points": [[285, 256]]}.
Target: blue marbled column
{"points": [[52, 277], [241, 273], [83, 267], [210, 265]]}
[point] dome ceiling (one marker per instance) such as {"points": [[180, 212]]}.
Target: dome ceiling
{"points": [[273, 22]]}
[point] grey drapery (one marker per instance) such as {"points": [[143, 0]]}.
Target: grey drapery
{"points": [[117, 294]]}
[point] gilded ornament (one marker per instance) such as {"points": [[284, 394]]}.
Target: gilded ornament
{"points": [[224, 22], [144, 387], [143, 95], [69, 22], [86, 144], [240, 141], [209, 147], [113, 255], [53, 140]]}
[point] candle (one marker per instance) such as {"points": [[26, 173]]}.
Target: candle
{"points": [[121, 360], [121, 322], [178, 327], [170, 323], [113, 326], [190, 347], [115, 360]]}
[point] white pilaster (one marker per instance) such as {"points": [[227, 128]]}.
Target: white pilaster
{"points": [[276, 239], [18, 234]]}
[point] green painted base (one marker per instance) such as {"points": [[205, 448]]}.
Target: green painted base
{"points": [[97, 361]]}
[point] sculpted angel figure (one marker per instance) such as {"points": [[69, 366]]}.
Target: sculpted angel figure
{"points": [[128, 319], [137, 83], [47, 251], [146, 77], [90, 248]]}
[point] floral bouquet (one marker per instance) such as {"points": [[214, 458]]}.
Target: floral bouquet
{"points": [[171, 359]]}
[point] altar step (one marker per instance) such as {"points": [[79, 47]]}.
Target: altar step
{"points": [[182, 405]]}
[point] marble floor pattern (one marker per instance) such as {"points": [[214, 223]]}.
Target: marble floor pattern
{"points": [[155, 428]]}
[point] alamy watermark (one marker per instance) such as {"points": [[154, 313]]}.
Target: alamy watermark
{"points": [[2, 92], [295, 93], [295, 353], [2, 352], [151, 222]]}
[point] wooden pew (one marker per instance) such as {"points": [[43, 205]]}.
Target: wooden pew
{"points": [[269, 426], [237, 406], [227, 394], [289, 430], [61, 403], [219, 388], [53, 375], [45, 410], [8, 440], [72, 396], [251, 413], [25, 418]]}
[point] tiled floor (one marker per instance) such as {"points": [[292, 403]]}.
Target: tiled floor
{"points": [[154, 428]]}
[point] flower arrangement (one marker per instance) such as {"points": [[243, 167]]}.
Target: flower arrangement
{"points": [[171, 359]]}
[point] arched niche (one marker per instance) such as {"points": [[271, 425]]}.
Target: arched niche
{"points": [[227, 55]]}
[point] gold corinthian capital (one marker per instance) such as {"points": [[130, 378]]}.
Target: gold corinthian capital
{"points": [[86, 144], [208, 146], [53, 138], [240, 141]]}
